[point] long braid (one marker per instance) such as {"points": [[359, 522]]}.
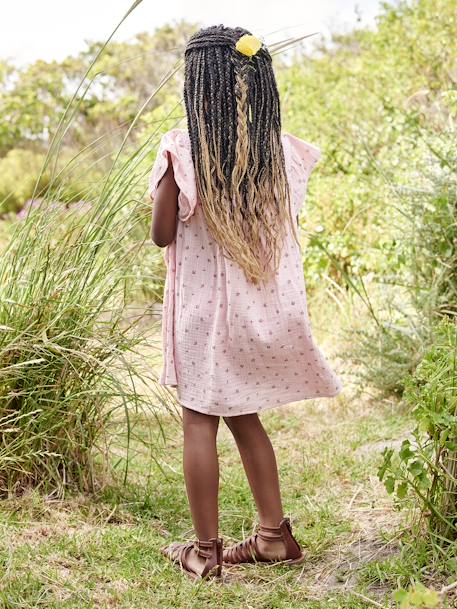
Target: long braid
{"points": [[234, 124]]}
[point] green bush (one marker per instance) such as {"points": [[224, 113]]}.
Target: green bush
{"points": [[365, 105], [19, 170], [421, 286], [423, 473]]}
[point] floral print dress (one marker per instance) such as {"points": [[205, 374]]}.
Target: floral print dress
{"points": [[231, 347]]}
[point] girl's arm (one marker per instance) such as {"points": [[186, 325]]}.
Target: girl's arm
{"points": [[165, 208]]}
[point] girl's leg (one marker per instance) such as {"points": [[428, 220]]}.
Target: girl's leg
{"points": [[259, 462], [201, 471]]}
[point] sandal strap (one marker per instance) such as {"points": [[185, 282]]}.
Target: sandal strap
{"points": [[213, 556], [293, 549], [244, 551], [248, 551], [205, 548], [212, 551], [270, 533], [182, 557], [279, 533]]}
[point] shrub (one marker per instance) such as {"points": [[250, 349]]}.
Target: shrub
{"points": [[423, 473], [19, 170], [405, 304]]}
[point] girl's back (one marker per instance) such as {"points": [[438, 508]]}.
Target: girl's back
{"points": [[231, 346]]}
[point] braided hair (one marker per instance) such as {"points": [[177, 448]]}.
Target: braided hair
{"points": [[234, 125]]}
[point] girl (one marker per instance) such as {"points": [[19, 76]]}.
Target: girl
{"points": [[236, 334]]}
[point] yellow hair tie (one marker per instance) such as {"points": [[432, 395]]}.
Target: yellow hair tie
{"points": [[248, 45]]}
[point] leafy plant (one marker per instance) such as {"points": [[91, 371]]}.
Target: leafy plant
{"points": [[417, 597], [423, 472], [404, 304]]}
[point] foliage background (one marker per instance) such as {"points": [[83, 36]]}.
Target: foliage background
{"points": [[379, 235]]}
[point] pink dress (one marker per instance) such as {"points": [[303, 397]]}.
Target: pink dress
{"points": [[230, 347]]}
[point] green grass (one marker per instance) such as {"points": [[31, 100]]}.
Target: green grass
{"points": [[103, 551]]}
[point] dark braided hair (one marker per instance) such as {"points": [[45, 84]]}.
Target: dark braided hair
{"points": [[234, 125]]}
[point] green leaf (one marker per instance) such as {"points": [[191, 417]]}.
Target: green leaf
{"points": [[443, 436], [405, 452], [399, 595], [390, 484], [416, 468], [402, 490], [387, 453], [424, 480], [431, 598]]}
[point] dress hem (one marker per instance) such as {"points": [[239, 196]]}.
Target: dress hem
{"points": [[268, 407]]}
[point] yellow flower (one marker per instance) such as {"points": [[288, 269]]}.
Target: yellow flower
{"points": [[248, 45]]}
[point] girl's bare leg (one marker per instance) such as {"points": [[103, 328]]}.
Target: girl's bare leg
{"points": [[201, 471], [259, 463]]}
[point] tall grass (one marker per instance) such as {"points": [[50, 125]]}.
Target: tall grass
{"points": [[71, 360]]}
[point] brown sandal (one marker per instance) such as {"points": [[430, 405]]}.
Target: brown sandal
{"points": [[248, 551], [211, 550]]}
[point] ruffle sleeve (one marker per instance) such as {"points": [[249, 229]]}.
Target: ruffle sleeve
{"points": [[306, 155], [302, 157], [173, 142]]}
